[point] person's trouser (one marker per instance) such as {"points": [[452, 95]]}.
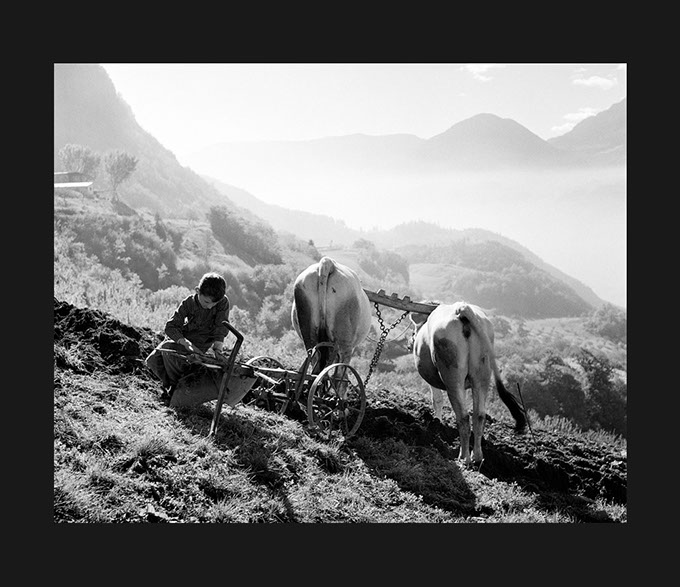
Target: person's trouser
{"points": [[168, 367]]}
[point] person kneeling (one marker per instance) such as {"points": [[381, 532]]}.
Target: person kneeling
{"points": [[196, 326]]}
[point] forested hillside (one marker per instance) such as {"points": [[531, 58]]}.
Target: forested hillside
{"points": [[99, 254], [89, 112], [418, 234], [495, 276]]}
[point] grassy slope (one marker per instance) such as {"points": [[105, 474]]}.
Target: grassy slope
{"points": [[120, 455]]}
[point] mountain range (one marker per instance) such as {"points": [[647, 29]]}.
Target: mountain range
{"points": [[320, 228], [600, 138], [482, 142], [89, 111], [562, 198]]}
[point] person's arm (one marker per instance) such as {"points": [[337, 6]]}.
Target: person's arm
{"points": [[221, 330], [173, 327]]}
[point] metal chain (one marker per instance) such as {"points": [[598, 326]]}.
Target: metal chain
{"points": [[395, 337], [381, 341]]}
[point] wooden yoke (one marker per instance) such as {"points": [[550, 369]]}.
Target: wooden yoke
{"points": [[393, 301]]}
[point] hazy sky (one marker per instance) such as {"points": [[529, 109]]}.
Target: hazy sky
{"points": [[190, 106]]}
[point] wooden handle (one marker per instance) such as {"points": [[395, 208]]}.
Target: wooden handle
{"points": [[393, 301], [228, 370]]}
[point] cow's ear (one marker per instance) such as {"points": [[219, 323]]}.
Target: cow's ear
{"points": [[417, 318]]}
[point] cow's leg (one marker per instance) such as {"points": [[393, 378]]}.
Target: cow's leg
{"points": [[454, 380], [455, 389], [451, 358], [479, 395], [437, 402], [480, 373]]}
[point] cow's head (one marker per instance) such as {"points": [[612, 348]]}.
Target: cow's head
{"points": [[418, 319]]}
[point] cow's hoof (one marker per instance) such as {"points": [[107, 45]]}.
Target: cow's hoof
{"points": [[471, 463], [464, 462], [476, 465]]}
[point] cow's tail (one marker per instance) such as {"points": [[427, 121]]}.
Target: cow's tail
{"points": [[326, 267], [517, 411], [509, 400]]}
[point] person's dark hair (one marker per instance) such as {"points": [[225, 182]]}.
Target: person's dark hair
{"points": [[213, 285]]}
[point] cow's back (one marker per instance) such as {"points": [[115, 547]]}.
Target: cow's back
{"points": [[330, 305], [446, 342]]}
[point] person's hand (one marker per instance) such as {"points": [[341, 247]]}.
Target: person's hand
{"points": [[210, 352], [187, 345]]}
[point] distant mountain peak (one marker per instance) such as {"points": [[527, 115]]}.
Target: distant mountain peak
{"points": [[483, 118], [483, 122], [602, 137], [486, 141]]}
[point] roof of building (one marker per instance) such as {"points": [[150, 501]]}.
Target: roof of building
{"points": [[74, 184]]}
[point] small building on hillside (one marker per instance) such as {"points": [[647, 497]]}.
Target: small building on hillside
{"points": [[73, 180]]}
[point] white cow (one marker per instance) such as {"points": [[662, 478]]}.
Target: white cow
{"points": [[453, 350], [330, 305]]}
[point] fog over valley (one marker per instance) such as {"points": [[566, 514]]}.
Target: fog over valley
{"points": [[573, 218], [533, 153]]}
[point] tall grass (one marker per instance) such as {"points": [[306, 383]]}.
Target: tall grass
{"points": [[565, 426], [120, 457], [81, 280]]}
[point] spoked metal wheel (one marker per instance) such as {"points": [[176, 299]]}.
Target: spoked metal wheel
{"points": [[314, 355], [269, 392], [310, 368], [336, 401]]}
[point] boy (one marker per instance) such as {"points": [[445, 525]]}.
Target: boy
{"points": [[196, 326]]}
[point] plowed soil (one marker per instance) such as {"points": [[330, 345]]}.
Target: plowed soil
{"points": [[546, 463]]}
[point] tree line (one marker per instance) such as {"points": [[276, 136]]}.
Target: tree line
{"points": [[97, 257], [498, 277], [118, 165]]}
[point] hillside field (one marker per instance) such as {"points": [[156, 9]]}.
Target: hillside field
{"points": [[121, 455]]}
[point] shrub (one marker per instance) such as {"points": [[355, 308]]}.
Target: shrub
{"points": [[608, 321], [253, 241], [128, 244]]}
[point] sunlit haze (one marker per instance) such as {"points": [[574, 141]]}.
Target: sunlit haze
{"points": [[187, 106], [191, 107]]}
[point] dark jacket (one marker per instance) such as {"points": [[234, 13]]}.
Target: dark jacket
{"points": [[202, 327]]}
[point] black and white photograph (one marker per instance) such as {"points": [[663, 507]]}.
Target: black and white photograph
{"points": [[340, 293]]}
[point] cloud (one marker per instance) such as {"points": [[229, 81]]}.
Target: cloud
{"points": [[573, 118], [582, 113], [479, 69], [562, 128], [595, 81]]}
